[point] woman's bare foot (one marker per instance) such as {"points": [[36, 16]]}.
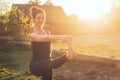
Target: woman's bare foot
{"points": [[71, 55]]}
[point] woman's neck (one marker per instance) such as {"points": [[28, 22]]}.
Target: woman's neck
{"points": [[36, 27], [39, 30]]}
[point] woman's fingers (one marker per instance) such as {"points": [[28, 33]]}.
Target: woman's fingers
{"points": [[69, 40]]}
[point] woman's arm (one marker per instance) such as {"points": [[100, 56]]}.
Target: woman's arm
{"points": [[46, 38], [58, 37]]}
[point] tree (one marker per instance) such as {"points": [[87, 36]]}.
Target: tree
{"points": [[18, 26], [34, 2], [3, 7], [4, 14], [48, 2]]}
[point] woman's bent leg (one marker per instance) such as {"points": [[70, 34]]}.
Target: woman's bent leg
{"points": [[57, 62]]}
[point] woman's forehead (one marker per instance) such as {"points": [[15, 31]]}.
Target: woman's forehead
{"points": [[39, 14]]}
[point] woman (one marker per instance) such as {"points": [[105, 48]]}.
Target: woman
{"points": [[41, 64]]}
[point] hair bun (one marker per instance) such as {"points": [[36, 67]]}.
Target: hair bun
{"points": [[34, 9]]}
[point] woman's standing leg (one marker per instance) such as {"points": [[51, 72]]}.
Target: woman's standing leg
{"points": [[42, 68], [47, 75]]}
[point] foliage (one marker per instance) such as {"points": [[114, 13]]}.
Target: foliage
{"points": [[6, 74], [18, 25], [3, 7], [34, 2], [14, 23], [4, 14], [48, 2]]}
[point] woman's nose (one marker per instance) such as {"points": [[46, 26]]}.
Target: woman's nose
{"points": [[41, 20]]}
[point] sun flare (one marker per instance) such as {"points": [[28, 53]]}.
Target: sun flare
{"points": [[87, 9], [92, 9]]}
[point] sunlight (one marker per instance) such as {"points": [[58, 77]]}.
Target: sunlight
{"points": [[92, 9], [85, 9]]}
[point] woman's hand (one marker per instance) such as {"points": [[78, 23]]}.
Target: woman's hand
{"points": [[69, 40]]}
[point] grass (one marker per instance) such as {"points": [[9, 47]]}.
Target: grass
{"points": [[14, 56]]}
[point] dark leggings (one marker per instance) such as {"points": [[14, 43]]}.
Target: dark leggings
{"points": [[44, 67]]}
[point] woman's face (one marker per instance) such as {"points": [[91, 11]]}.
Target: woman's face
{"points": [[39, 19]]}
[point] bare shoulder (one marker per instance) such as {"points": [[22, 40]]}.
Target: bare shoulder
{"points": [[33, 34]]}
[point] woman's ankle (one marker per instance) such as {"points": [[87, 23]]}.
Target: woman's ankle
{"points": [[71, 55]]}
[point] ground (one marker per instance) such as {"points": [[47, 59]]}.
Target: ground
{"points": [[89, 68]]}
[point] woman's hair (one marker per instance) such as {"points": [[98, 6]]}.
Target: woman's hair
{"points": [[34, 10]]}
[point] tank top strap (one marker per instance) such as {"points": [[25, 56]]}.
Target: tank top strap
{"points": [[33, 31], [47, 32]]}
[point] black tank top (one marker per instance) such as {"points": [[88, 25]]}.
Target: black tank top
{"points": [[40, 50]]}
